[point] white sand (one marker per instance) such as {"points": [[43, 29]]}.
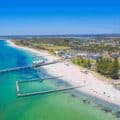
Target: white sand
{"points": [[73, 75]]}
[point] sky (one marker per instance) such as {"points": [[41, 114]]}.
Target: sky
{"points": [[51, 17]]}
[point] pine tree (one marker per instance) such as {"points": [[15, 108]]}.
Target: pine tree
{"points": [[115, 69], [98, 64], [88, 63]]}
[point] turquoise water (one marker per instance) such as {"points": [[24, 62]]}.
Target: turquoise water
{"points": [[55, 106]]}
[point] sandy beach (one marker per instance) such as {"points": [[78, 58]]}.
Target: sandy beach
{"points": [[74, 76]]}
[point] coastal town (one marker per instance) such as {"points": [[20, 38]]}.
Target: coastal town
{"points": [[100, 54]]}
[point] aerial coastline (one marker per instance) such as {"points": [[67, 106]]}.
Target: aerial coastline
{"points": [[60, 60], [105, 91]]}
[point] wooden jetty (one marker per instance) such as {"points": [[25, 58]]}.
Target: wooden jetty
{"points": [[32, 80], [48, 91], [38, 79], [17, 88], [28, 67], [41, 92]]}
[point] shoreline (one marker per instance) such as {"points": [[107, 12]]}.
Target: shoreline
{"points": [[93, 86]]}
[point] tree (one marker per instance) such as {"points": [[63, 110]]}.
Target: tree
{"points": [[115, 69], [88, 63]]}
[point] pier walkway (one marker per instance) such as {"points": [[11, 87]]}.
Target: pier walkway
{"points": [[32, 80], [17, 87], [30, 66], [48, 91], [41, 92], [38, 79]]}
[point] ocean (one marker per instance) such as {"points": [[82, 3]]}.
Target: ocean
{"points": [[55, 106]]}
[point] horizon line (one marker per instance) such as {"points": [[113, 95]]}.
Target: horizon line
{"points": [[61, 34]]}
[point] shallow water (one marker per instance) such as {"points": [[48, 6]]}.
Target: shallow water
{"points": [[55, 106]]}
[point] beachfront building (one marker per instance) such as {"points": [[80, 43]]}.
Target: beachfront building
{"points": [[59, 53], [63, 54], [88, 55], [38, 62]]}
